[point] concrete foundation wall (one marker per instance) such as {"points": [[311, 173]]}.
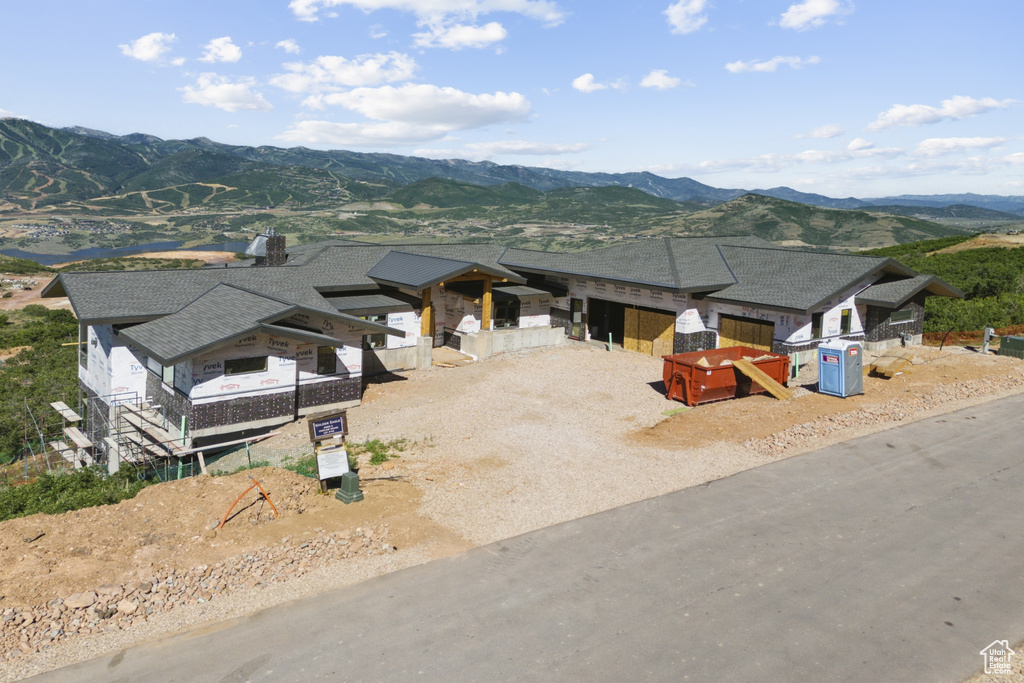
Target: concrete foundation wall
{"points": [[485, 344], [380, 361]]}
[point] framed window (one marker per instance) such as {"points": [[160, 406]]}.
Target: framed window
{"points": [[845, 320], [241, 366], [816, 319], [379, 340], [326, 360], [897, 317], [83, 346], [167, 375], [506, 314]]}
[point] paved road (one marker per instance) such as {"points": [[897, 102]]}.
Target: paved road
{"points": [[893, 557]]}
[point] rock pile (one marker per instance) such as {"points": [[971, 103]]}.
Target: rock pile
{"points": [[114, 607]]}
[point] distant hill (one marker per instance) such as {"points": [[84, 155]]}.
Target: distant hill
{"points": [[42, 166], [953, 211], [790, 223], [447, 194]]}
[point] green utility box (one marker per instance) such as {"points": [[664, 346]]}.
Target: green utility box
{"points": [[1012, 346], [349, 491]]}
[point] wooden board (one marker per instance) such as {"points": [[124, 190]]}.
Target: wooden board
{"points": [[63, 449], [631, 330], [147, 423], [654, 329], [758, 375], [76, 436], [890, 363], [733, 331], [65, 411]]}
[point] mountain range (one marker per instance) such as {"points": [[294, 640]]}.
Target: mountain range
{"points": [[41, 166]]}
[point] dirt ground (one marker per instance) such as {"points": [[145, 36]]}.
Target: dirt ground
{"points": [[760, 416], [981, 241], [167, 527], [22, 298], [495, 448]]}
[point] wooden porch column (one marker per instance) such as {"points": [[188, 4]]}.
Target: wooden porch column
{"points": [[485, 318], [426, 315]]}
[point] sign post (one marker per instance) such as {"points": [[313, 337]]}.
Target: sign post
{"points": [[327, 432]]}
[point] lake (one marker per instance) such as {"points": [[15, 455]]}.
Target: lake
{"points": [[100, 252]]}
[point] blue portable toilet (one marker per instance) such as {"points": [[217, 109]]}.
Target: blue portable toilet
{"points": [[840, 366]]}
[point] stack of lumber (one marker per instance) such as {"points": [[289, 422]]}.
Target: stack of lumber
{"points": [[890, 363]]}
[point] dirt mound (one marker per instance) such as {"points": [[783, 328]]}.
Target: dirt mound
{"points": [[167, 526]]}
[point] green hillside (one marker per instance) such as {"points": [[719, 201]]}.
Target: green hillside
{"points": [[447, 194], [790, 223], [991, 278]]}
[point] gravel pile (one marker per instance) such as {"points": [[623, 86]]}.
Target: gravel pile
{"points": [[115, 607]]}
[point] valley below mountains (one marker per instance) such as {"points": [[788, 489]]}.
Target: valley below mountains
{"points": [[64, 190]]}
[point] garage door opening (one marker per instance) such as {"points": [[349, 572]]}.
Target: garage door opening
{"points": [[604, 318], [635, 328], [736, 331]]}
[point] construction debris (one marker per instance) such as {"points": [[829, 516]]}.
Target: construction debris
{"points": [[890, 363], [758, 375]]}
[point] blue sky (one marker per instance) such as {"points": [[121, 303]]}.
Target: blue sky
{"points": [[830, 96]]}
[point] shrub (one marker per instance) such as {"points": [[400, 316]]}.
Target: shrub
{"points": [[53, 494]]}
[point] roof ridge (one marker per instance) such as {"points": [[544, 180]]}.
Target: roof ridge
{"points": [[673, 270]]}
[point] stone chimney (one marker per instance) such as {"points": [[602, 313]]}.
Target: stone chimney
{"points": [[268, 249]]}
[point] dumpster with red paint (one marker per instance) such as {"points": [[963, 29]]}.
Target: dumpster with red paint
{"points": [[690, 381]]}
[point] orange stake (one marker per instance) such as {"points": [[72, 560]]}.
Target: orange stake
{"points": [[255, 485]]}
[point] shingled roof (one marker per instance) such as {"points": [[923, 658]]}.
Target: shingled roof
{"points": [[223, 314], [418, 271], [895, 293], [793, 280], [682, 264], [743, 270]]}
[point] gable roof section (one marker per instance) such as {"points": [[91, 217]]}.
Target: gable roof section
{"points": [[897, 292], [418, 271], [678, 263], [223, 314], [796, 281]]}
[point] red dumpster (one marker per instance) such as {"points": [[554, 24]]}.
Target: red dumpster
{"points": [[694, 383]]}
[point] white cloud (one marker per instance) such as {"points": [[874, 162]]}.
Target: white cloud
{"points": [[430, 105], [359, 134], [829, 130], [809, 14], [771, 65], [1016, 158], [221, 92], [686, 16], [458, 36], [221, 50], [289, 46], [659, 78], [933, 147], [586, 83], [4, 114], [150, 47], [437, 11], [408, 115], [328, 73], [513, 147], [377, 31], [771, 163], [958, 107], [178, 61]]}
